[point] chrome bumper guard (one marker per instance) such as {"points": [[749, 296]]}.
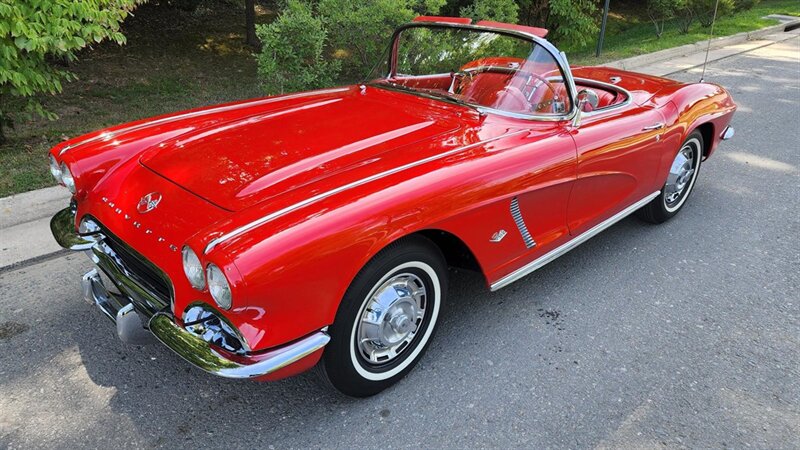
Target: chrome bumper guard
{"points": [[132, 309]]}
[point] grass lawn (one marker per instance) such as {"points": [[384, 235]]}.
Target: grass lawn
{"points": [[177, 60], [628, 36], [173, 60]]}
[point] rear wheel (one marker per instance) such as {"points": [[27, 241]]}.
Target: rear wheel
{"points": [[680, 182], [387, 318]]}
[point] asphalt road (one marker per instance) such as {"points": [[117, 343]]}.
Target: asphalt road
{"points": [[685, 334]]}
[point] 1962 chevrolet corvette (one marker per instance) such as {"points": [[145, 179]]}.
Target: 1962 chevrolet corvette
{"points": [[261, 238]]}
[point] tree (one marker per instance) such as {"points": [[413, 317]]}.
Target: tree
{"points": [[32, 32], [704, 10], [659, 11], [250, 23], [358, 32], [744, 5], [498, 10], [685, 14], [569, 21], [291, 54]]}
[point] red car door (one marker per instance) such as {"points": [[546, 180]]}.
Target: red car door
{"points": [[619, 152]]}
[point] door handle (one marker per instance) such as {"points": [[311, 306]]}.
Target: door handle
{"points": [[655, 126]]}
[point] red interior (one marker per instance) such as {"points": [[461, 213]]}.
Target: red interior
{"points": [[524, 91]]}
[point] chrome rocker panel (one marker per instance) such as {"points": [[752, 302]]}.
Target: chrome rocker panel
{"points": [[133, 309]]}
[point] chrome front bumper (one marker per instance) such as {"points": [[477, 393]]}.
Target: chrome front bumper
{"points": [[131, 306]]}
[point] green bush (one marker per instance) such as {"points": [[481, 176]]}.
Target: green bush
{"points": [[685, 14], [659, 11], [326, 42], [571, 21], [704, 10], [744, 5], [498, 10], [291, 54], [358, 32], [34, 32]]}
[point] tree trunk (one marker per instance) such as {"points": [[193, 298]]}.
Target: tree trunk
{"points": [[2, 122], [250, 23]]}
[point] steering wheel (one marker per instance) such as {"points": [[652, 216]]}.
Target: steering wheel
{"points": [[545, 102], [458, 83]]}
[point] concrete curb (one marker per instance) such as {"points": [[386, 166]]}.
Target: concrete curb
{"points": [[636, 62]]}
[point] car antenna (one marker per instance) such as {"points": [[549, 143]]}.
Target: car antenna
{"points": [[708, 47]]}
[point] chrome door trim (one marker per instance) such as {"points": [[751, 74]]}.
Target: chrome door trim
{"points": [[569, 245], [269, 217]]}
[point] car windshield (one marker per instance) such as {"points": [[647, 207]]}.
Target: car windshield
{"points": [[477, 68]]}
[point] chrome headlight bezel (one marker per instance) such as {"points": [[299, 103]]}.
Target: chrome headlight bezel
{"points": [[218, 286], [55, 169], [193, 268], [67, 178]]}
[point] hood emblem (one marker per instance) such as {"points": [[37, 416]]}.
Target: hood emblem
{"points": [[149, 202]]}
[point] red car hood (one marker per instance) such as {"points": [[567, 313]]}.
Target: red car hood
{"points": [[289, 144]]}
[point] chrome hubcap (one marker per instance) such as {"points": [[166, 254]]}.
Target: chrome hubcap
{"points": [[680, 174], [391, 318]]}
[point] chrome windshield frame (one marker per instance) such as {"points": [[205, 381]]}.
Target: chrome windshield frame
{"points": [[559, 57]]}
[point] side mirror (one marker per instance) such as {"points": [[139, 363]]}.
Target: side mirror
{"points": [[587, 101], [582, 100]]}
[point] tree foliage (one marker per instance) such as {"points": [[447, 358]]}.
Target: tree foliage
{"points": [[291, 56], [686, 12], [704, 10], [659, 11], [358, 32], [497, 10], [743, 5], [34, 32], [313, 44], [572, 21]]}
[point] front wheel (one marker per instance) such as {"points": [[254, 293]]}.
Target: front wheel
{"points": [[680, 182], [387, 318]]}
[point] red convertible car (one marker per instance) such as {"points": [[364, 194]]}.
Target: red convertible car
{"points": [[262, 238]]}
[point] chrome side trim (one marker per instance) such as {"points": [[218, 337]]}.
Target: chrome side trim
{"points": [[728, 133], [569, 245], [523, 230], [256, 223]]}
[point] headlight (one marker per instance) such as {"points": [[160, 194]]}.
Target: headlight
{"points": [[66, 178], [55, 169], [218, 286], [193, 269]]}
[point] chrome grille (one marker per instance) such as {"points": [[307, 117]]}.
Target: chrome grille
{"points": [[138, 268]]}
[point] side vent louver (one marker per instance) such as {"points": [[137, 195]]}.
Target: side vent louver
{"points": [[523, 230]]}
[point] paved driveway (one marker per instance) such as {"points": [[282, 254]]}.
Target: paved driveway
{"points": [[684, 334]]}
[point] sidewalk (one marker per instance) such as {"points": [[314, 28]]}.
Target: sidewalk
{"points": [[25, 224], [25, 218]]}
